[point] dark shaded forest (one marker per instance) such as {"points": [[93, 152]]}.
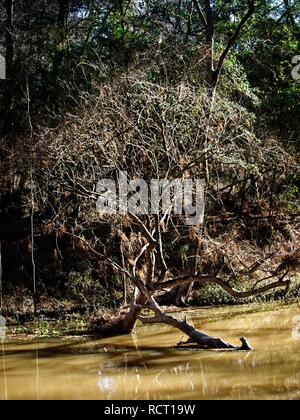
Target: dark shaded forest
{"points": [[160, 89]]}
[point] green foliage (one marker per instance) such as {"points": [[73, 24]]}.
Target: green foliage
{"points": [[84, 289], [213, 295]]}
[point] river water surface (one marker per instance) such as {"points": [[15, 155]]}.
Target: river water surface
{"points": [[147, 366]]}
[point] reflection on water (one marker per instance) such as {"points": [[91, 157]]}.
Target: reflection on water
{"points": [[146, 366]]}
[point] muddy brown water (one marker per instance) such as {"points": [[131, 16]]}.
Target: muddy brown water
{"points": [[147, 366]]}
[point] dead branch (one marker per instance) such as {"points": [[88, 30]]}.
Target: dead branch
{"points": [[200, 339], [223, 284]]}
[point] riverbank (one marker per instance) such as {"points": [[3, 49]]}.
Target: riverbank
{"points": [[18, 308], [75, 324]]}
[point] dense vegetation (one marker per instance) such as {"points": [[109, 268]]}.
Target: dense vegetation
{"points": [[164, 89]]}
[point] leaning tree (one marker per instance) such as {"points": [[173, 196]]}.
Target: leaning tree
{"points": [[154, 275]]}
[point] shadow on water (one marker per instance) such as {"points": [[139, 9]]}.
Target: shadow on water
{"points": [[146, 365]]}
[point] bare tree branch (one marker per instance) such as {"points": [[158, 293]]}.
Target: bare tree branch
{"points": [[231, 42], [200, 13], [149, 236], [226, 286]]}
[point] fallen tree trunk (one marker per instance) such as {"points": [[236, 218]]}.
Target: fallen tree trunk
{"points": [[198, 338], [203, 340], [147, 284]]}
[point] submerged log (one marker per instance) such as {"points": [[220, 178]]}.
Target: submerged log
{"points": [[214, 344], [196, 338]]}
